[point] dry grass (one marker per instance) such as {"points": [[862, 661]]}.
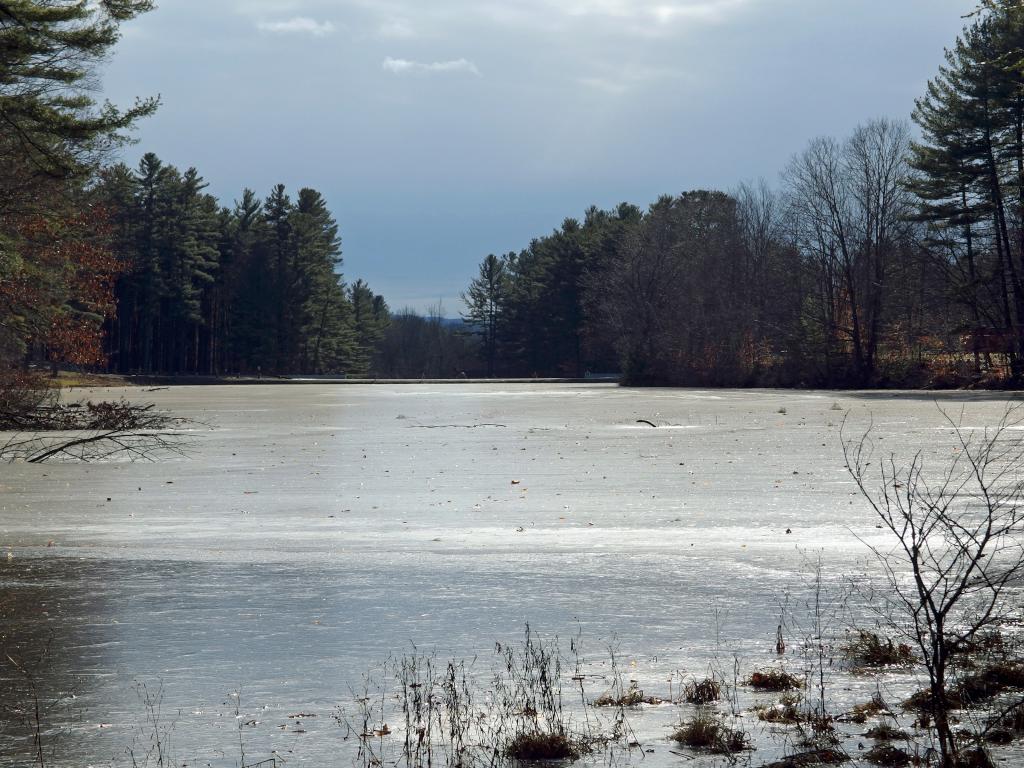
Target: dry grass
{"points": [[704, 691], [921, 701], [1014, 721], [631, 697], [814, 757], [775, 679], [869, 649], [706, 733], [80, 379], [989, 683], [975, 758], [887, 755], [785, 712], [542, 746], [861, 712], [885, 732]]}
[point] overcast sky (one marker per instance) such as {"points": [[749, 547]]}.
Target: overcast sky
{"points": [[443, 130]]}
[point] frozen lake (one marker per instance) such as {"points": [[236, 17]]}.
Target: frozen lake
{"points": [[316, 530]]}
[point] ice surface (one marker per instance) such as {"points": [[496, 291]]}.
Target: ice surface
{"points": [[316, 529]]}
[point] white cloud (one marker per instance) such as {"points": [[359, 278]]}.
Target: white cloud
{"points": [[298, 25], [404, 66]]}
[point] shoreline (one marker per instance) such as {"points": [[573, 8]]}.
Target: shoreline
{"points": [[68, 380]]}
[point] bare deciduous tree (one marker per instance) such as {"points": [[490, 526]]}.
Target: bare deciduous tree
{"points": [[850, 207], [955, 569]]}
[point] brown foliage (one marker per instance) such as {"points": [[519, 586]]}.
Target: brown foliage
{"points": [[58, 290]]}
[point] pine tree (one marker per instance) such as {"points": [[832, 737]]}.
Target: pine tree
{"points": [[485, 300], [49, 53], [970, 169], [323, 314], [278, 256], [54, 135], [242, 288], [370, 318]]}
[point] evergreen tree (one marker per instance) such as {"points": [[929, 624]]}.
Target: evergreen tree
{"points": [[53, 137], [484, 301], [323, 312], [245, 288], [278, 259], [370, 319], [49, 52], [970, 170]]}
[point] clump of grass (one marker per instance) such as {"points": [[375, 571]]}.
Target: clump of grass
{"points": [[542, 746], [885, 732], [975, 758], [706, 733], [785, 712], [999, 736], [704, 691], [990, 682], [818, 732], [1006, 728], [631, 697], [1012, 722], [921, 701], [887, 755], [990, 644], [861, 712], [815, 757], [870, 649], [775, 679], [441, 710]]}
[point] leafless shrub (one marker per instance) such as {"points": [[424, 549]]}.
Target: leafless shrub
{"points": [[957, 560]]}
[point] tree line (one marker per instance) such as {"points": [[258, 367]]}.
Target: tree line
{"points": [[142, 270], [212, 290], [887, 257], [880, 258]]}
